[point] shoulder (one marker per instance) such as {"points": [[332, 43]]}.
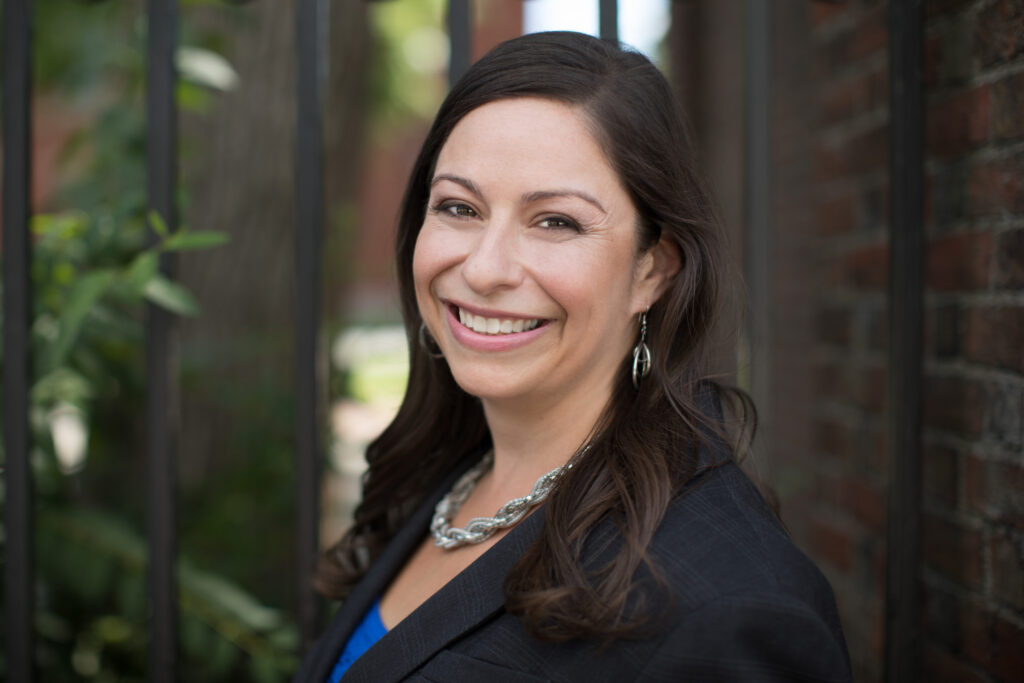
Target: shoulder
{"points": [[747, 604], [721, 534]]}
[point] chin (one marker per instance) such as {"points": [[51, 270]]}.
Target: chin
{"points": [[493, 386]]}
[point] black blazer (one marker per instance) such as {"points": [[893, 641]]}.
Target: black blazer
{"points": [[749, 606]]}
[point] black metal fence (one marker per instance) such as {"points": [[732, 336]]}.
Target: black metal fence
{"points": [[907, 164]]}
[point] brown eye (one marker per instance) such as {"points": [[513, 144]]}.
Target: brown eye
{"points": [[459, 210], [559, 223]]}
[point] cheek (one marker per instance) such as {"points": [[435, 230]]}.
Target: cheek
{"points": [[426, 258]]}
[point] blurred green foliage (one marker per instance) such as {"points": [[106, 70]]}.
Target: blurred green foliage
{"points": [[94, 267], [410, 63]]}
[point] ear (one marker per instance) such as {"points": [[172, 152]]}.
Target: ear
{"points": [[654, 272]]}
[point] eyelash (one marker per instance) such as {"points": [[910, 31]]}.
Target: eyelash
{"points": [[569, 224], [452, 209], [455, 208]]}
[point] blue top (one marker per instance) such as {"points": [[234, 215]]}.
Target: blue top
{"points": [[369, 631]]}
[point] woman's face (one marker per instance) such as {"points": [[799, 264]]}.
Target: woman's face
{"points": [[526, 267]]}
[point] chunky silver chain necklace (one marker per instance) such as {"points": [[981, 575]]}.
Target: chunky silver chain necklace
{"points": [[481, 528]]}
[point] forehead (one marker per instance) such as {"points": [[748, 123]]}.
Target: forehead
{"points": [[528, 141]]}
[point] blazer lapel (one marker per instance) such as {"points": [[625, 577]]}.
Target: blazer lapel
{"points": [[462, 604], [321, 659]]}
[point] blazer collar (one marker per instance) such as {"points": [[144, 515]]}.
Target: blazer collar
{"points": [[464, 602]]}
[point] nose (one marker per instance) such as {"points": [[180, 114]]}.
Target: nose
{"points": [[493, 262]]}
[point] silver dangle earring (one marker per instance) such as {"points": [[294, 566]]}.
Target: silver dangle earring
{"points": [[428, 343], [641, 354]]}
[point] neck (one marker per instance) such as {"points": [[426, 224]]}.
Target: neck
{"points": [[533, 437]]}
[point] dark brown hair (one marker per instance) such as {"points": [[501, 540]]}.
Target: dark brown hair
{"points": [[644, 449]]}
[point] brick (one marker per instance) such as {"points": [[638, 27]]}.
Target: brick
{"points": [[824, 12], [872, 387], [955, 404], [1007, 659], [959, 262], [871, 34], [866, 37], [942, 331], [854, 96], [1004, 419], [831, 381], [1009, 256], [832, 545], [999, 36], [876, 329], [946, 195], [942, 618], [995, 336], [953, 52], [835, 216], [960, 122], [996, 490], [1008, 108], [874, 207], [865, 501], [935, 8], [996, 187], [941, 666], [857, 154], [993, 642], [834, 325], [975, 634], [940, 474], [866, 268], [1008, 569], [953, 550], [930, 68], [831, 438]]}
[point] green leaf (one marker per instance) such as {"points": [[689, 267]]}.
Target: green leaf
{"points": [[222, 657], [171, 295], [158, 224], [201, 239], [61, 384], [82, 297], [228, 599], [141, 270]]}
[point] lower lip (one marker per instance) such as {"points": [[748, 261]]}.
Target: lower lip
{"points": [[491, 342]]}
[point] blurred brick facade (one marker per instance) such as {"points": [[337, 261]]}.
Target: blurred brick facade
{"points": [[827, 416]]}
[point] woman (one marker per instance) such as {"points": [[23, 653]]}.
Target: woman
{"points": [[559, 265]]}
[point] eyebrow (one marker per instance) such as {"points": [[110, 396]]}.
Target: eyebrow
{"points": [[552, 194], [458, 180], [527, 197]]}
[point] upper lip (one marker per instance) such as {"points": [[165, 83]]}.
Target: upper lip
{"points": [[491, 313]]}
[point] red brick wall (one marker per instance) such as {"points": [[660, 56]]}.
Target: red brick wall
{"points": [[974, 357], [826, 456]]}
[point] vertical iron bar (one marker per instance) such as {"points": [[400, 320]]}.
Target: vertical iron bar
{"points": [[309, 208], [906, 315], [161, 468], [459, 33], [608, 20], [758, 202], [17, 298]]}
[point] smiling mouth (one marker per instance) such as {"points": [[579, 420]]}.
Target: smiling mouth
{"points": [[496, 326]]}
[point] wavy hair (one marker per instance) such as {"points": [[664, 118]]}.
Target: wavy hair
{"points": [[644, 449]]}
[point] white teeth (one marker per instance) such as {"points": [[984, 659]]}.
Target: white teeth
{"points": [[493, 326]]}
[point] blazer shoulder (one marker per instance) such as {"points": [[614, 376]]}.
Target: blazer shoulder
{"points": [[733, 570], [720, 536], [751, 636]]}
